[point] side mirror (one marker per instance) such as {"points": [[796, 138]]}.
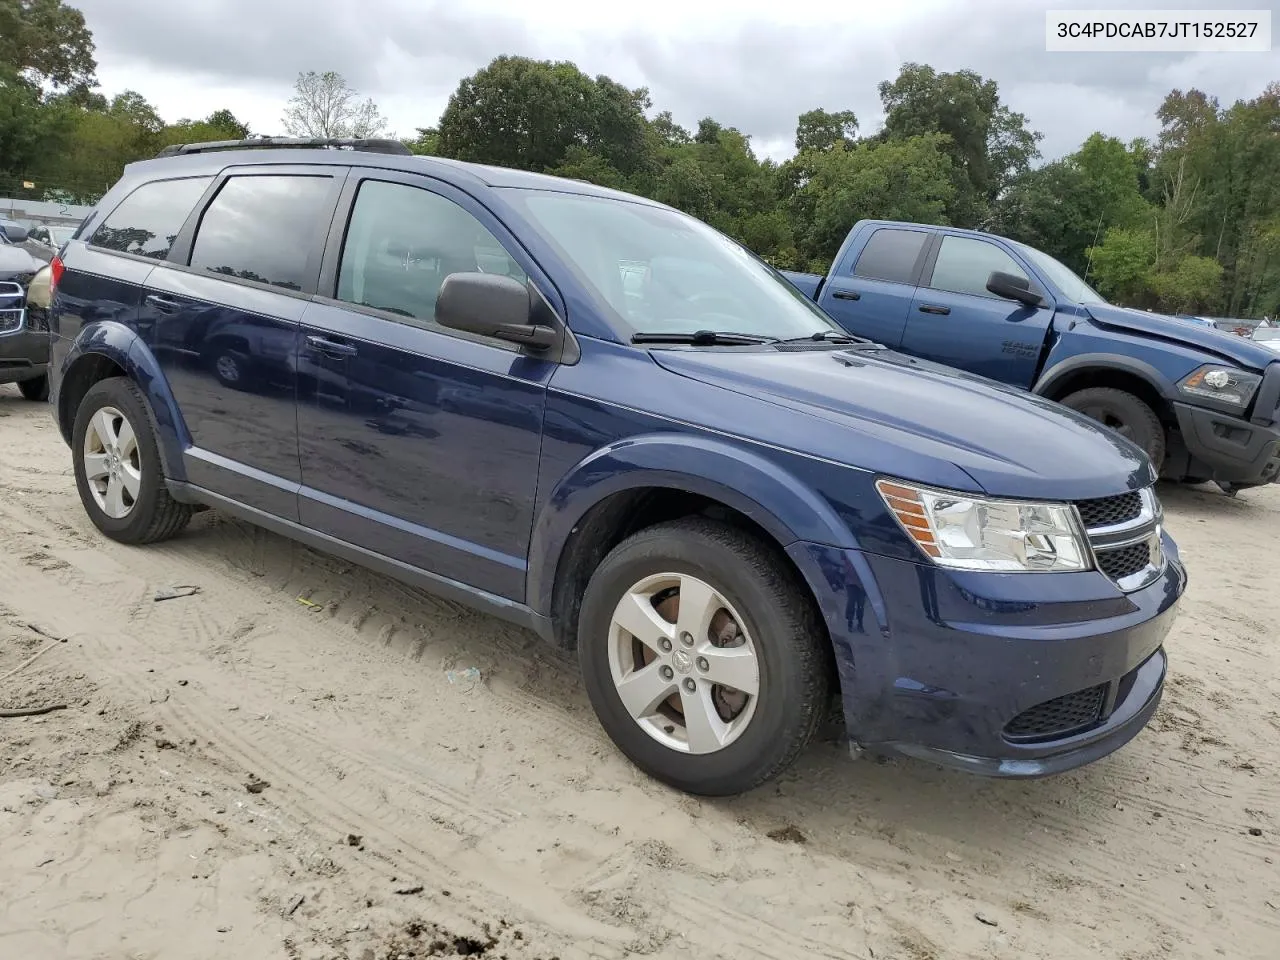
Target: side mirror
{"points": [[1013, 287], [15, 233], [491, 305]]}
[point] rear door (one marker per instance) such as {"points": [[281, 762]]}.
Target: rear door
{"points": [[222, 319], [955, 320], [869, 291]]}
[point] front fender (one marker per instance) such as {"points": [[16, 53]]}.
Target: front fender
{"points": [[123, 347], [1057, 370], [740, 478]]}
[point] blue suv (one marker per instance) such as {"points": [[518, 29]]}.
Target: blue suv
{"points": [[599, 418]]}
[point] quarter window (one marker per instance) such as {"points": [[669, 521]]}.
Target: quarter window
{"points": [[262, 228], [891, 255], [964, 264], [148, 220], [403, 241]]}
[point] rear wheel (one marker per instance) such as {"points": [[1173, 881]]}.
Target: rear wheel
{"points": [[702, 656], [117, 466], [36, 389], [1124, 413]]}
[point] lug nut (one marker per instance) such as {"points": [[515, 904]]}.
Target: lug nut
{"points": [[666, 673], [687, 639], [664, 645], [703, 665], [690, 685]]}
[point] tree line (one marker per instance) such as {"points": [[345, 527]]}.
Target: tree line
{"points": [[1188, 222]]}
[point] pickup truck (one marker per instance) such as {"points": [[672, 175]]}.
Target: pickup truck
{"points": [[1205, 405]]}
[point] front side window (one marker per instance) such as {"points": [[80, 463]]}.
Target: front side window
{"points": [[262, 228], [147, 221], [402, 242], [964, 265], [655, 270]]}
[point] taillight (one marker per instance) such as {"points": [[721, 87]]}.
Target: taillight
{"points": [[55, 275]]}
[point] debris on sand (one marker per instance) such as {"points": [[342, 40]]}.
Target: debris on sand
{"points": [[173, 593], [788, 834], [254, 785]]}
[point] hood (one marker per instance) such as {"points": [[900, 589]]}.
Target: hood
{"points": [[15, 261], [1225, 346], [900, 413]]}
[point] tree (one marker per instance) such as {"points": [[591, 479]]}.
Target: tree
{"points": [[910, 179], [820, 130], [324, 106], [527, 114], [47, 41], [990, 145]]}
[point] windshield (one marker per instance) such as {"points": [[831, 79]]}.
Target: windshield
{"points": [[659, 271], [1063, 277], [1266, 333]]}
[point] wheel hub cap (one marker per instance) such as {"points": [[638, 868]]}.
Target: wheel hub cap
{"points": [[682, 663]]}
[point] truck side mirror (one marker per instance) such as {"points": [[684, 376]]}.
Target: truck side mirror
{"points": [[1013, 287], [15, 233]]}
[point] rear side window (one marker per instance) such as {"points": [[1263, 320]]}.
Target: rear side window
{"points": [[148, 220], [262, 228], [965, 264], [891, 255]]}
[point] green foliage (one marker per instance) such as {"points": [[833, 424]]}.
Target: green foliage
{"points": [[1187, 221]]}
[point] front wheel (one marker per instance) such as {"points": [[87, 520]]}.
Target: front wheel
{"points": [[703, 657], [1124, 413], [117, 466]]}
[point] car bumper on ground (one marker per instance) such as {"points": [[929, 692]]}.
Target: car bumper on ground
{"points": [[1020, 675], [1230, 449]]}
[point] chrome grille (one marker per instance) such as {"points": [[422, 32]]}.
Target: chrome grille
{"points": [[12, 307], [1124, 535]]}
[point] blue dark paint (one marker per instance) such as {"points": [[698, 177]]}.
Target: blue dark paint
{"points": [[1063, 346], [466, 466]]}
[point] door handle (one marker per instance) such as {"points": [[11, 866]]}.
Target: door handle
{"points": [[331, 347], [847, 295], [163, 304], [931, 308]]}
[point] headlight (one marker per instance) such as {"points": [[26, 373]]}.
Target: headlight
{"points": [[966, 532], [1228, 385]]}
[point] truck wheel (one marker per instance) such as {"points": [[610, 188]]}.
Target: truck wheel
{"points": [[702, 656], [36, 389], [1124, 413], [117, 466]]}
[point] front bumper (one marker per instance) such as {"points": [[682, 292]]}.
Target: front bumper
{"points": [[24, 354], [1014, 675], [1229, 449]]}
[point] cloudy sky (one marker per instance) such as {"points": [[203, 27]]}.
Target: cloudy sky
{"points": [[754, 64]]}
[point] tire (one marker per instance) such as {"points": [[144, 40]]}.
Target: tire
{"points": [[1124, 413], [150, 514], [35, 389], [780, 626]]}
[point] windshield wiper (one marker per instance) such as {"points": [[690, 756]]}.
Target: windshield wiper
{"points": [[826, 336], [703, 338]]}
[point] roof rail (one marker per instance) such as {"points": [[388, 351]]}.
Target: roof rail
{"points": [[375, 145]]}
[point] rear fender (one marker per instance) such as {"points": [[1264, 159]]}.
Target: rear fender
{"points": [[123, 347]]}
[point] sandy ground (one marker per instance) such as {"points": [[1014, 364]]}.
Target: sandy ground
{"points": [[413, 809]]}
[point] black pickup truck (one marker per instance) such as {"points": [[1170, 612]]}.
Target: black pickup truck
{"points": [[24, 328]]}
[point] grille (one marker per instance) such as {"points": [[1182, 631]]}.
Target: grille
{"points": [[1107, 511], [1126, 561], [10, 320], [1059, 717]]}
